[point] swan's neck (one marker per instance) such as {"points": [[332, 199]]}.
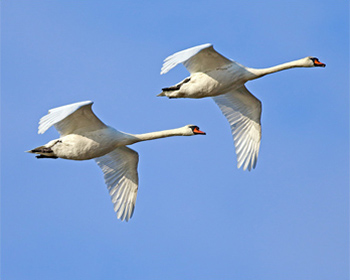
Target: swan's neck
{"points": [[257, 73], [157, 135]]}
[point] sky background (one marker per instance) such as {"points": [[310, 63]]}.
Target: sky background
{"points": [[197, 216]]}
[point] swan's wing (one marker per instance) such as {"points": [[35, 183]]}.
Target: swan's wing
{"points": [[69, 118], [197, 59], [120, 172], [243, 112]]}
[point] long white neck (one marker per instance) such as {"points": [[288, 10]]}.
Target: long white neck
{"points": [[134, 138], [257, 73]]}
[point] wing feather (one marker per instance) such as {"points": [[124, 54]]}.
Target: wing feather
{"points": [[243, 112], [120, 173], [201, 58], [71, 118]]}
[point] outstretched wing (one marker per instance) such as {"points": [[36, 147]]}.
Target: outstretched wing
{"points": [[71, 118], [201, 58], [243, 112], [120, 173]]}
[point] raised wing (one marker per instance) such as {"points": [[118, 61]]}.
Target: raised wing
{"points": [[120, 172], [201, 58], [71, 118], [243, 112]]}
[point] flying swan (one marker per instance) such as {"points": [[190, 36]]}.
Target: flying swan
{"points": [[84, 136], [213, 75]]}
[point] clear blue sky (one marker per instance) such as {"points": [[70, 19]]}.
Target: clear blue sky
{"points": [[197, 216]]}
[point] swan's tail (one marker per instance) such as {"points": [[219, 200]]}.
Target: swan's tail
{"points": [[169, 90], [43, 152], [173, 91]]}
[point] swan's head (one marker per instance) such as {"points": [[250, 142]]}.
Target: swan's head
{"points": [[191, 129], [314, 62]]}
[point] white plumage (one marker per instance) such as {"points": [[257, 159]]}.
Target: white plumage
{"points": [[84, 136], [120, 173], [243, 112], [213, 75], [71, 117]]}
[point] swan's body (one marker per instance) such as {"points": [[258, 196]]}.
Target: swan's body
{"points": [[213, 75], [84, 136]]}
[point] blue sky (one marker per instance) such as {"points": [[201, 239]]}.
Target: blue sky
{"points": [[197, 216]]}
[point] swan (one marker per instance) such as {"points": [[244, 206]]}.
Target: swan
{"points": [[213, 75], [83, 136]]}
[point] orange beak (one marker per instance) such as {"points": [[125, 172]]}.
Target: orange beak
{"points": [[318, 63], [196, 130]]}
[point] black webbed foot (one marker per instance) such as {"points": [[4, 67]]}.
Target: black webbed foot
{"points": [[43, 156]]}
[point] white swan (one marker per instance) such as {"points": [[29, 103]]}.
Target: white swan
{"points": [[223, 79], [84, 136]]}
